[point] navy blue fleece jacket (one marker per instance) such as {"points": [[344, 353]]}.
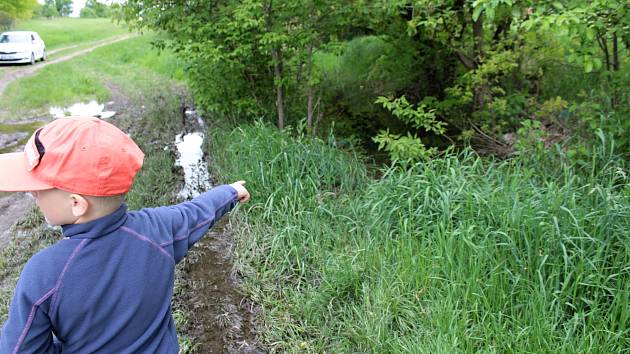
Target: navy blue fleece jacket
{"points": [[106, 287]]}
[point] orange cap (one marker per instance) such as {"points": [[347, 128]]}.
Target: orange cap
{"points": [[83, 155]]}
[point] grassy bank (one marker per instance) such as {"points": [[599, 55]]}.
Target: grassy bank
{"points": [[460, 254], [131, 65], [63, 32]]}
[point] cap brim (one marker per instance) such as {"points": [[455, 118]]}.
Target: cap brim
{"points": [[14, 177]]}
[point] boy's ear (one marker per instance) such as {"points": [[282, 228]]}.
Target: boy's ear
{"points": [[80, 205]]}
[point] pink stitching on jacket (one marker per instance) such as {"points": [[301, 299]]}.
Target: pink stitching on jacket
{"points": [[146, 239], [53, 304], [31, 317]]}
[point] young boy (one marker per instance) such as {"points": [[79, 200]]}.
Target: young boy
{"points": [[106, 286]]}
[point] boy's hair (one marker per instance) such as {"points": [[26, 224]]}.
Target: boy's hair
{"points": [[83, 155]]}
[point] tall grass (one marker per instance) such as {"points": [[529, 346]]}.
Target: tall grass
{"points": [[459, 254]]}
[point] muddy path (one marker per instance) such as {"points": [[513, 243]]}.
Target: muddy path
{"points": [[12, 75], [221, 318]]}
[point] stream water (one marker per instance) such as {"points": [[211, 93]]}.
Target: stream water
{"points": [[90, 109]]}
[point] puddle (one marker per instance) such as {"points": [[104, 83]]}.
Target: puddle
{"points": [[14, 136], [196, 177], [90, 109], [222, 319]]}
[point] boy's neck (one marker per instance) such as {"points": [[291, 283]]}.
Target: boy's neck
{"points": [[95, 214]]}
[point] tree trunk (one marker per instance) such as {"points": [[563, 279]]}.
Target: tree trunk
{"points": [[276, 57], [277, 73], [601, 40], [481, 89], [615, 52], [310, 89], [320, 114]]}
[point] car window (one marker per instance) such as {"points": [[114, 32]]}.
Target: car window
{"points": [[14, 38]]}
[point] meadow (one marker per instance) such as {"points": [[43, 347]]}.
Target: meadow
{"points": [[456, 254], [64, 32], [130, 65]]}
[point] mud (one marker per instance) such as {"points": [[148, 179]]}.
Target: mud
{"points": [[222, 320], [12, 207]]}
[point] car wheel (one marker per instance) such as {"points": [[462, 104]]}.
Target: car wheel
{"points": [[32, 59], [44, 56]]}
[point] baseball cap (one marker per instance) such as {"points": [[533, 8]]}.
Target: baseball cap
{"points": [[84, 155]]}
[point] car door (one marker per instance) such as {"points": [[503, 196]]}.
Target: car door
{"points": [[36, 46], [42, 45]]}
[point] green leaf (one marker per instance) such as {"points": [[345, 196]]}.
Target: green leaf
{"points": [[588, 66], [477, 13]]}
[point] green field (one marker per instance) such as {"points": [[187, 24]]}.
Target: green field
{"points": [[87, 77], [64, 32]]}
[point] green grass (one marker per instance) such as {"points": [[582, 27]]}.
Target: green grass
{"points": [[63, 32], [459, 254], [131, 65]]}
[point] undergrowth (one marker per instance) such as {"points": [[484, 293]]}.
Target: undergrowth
{"points": [[456, 254]]}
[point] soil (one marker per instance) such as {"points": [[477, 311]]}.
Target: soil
{"points": [[12, 207], [222, 319]]}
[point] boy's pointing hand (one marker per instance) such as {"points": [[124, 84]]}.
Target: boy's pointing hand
{"points": [[243, 193]]}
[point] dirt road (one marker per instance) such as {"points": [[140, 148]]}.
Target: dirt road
{"points": [[13, 75]]}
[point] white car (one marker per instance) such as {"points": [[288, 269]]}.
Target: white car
{"points": [[21, 47]]}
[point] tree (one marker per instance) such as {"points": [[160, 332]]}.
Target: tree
{"points": [[94, 9], [6, 21], [49, 10], [245, 57], [594, 29], [16, 10], [64, 7]]}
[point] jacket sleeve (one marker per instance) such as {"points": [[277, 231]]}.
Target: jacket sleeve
{"points": [[28, 328], [188, 222]]}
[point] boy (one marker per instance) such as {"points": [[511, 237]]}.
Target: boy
{"points": [[106, 286]]}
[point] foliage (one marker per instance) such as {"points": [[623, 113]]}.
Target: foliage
{"points": [[408, 148], [453, 254], [483, 66], [6, 21], [95, 9], [49, 10], [64, 7], [15, 10]]}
